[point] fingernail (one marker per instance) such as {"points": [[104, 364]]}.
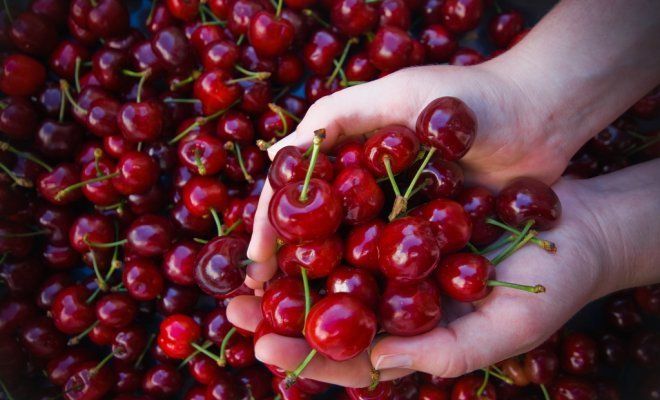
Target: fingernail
{"points": [[393, 361]]}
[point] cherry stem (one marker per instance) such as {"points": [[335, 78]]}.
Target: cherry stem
{"points": [[495, 246], [340, 62], [144, 351], [310, 13], [216, 219], [278, 9], [104, 361], [76, 74], [637, 135], [150, 17], [186, 360], [481, 389], [644, 146], [63, 102], [291, 377], [3, 257], [524, 288], [76, 339], [25, 234], [232, 227], [141, 82], [319, 135], [62, 193], [263, 145], [5, 390], [498, 375], [519, 241], [390, 175], [241, 163], [546, 395], [200, 122], [287, 112], [65, 90], [353, 83], [240, 39], [285, 125], [258, 76], [8, 11], [201, 241], [202, 15], [371, 1], [100, 281], [375, 379], [17, 179], [342, 75], [204, 351], [134, 74], [419, 172], [207, 11], [544, 244], [3, 105], [223, 346], [201, 168], [184, 101], [178, 85], [308, 298], [4, 146], [107, 245], [278, 397], [498, 8]]}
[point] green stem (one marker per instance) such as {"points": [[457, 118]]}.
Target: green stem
{"points": [[2, 384], [308, 297], [144, 351], [103, 362], [183, 101], [544, 244], [497, 245], [214, 17], [280, 113], [207, 353], [241, 163], [308, 12], [205, 345], [390, 175], [233, 226], [524, 288], [100, 281], [193, 76], [291, 377], [76, 74], [240, 39], [17, 179], [319, 135], [108, 245], [340, 62], [150, 17], [498, 375], [141, 82], [201, 241], [514, 245], [3, 257], [481, 389], [546, 395], [218, 224], [25, 234], [63, 103], [8, 11], [4, 146], [644, 146], [200, 122], [223, 346], [64, 90], [201, 168], [76, 339], [62, 193], [419, 172], [259, 76], [278, 10]]}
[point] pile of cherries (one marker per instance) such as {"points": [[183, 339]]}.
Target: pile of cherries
{"points": [[131, 163]]}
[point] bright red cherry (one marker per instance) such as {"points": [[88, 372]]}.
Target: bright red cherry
{"points": [[394, 144], [451, 224], [179, 262], [317, 258], [390, 50], [116, 310], [410, 309], [270, 34], [291, 163], [461, 15], [361, 248], [203, 154], [465, 56], [467, 386], [479, 203], [283, 306], [21, 75], [136, 173], [357, 282], [382, 391], [321, 49], [348, 155], [340, 327], [219, 266], [408, 249], [360, 194], [70, 310], [149, 235], [140, 122], [202, 194], [186, 10], [216, 91], [142, 279], [90, 381], [448, 125], [176, 334], [526, 199], [353, 17]]}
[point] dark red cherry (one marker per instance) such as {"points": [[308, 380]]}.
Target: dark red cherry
{"points": [[116, 310], [360, 194], [451, 224], [12, 242], [240, 15], [203, 35], [41, 339], [54, 10], [382, 391], [60, 368], [314, 218], [270, 35], [203, 154], [319, 52], [19, 119], [612, 349], [189, 223], [464, 276], [353, 17], [390, 50], [462, 15], [570, 388], [33, 34], [317, 258], [283, 306], [142, 279], [223, 387], [220, 54], [479, 203], [90, 380], [14, 313], [290, 165], [621, 313], [219, 266], [203, 369], [102, 117], [441, 178], [465, 56], [149, 235], [240, 353], [290, 69], [256, 94], [63, 59], [439, 43], [50, 288], [171, 47], [179, 262], [186, 10], [467, 386], [340, 326], [526, 199], [648, 298], [361, 249], [430, 392], [357, 282], [85, 99], [90, 228], [394, 13], [175, 335], [177, 299], [108, 18], [504, 27], [21, 75], [216, 91], [128, 343], [71, 312], [58, 140], [136, 173], [448, 125], [579, 354], [140, 122], [162, 381], [107, 65], [541, 365], [410, 309], [408, 249], [235, 126], [396, 143], [215, 325], [147, 203], [317, 87], [645, 348], [359, 68], [128, 378]]}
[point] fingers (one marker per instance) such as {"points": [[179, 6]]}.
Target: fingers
{"points": [[353, 111], [262, 271], [264, 238], [287, 353], [245, 312]]}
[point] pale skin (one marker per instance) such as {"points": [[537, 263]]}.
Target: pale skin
{"points": [[536, 105]]}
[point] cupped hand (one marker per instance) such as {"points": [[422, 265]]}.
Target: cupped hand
{"points": [[471, 336]]}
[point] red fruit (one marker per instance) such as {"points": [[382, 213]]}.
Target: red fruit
{"points": [[290, 165], [464, 276], [357, 282], [142, 279], [395, 142], [318, 258], [149, 236], [467, 386], [579, 354], [382, 391], [526, 199], [216, 91], [219, 266], [21, 75], [319, 52], [504, 27], [360, 194], [175, 335], [362, 245], [448, 125], [202, 194], [116, 310], [391, 49], [137, 173], [70, 310], [450, 222], [88, 382], [140, 122], [184, 9], [203, 154], [569, 388], [410, 309], [270, 35], [461, 15], [283, 306], [353, 17]]}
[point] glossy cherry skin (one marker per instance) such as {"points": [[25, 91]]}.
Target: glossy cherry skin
{"points": [[90, 228], [526, 199], [462, 15], [142, 279], [33, 34], [579, 354], [382, 391], [21, 75], [59, 369], [357, 282], [224, 387], [203, 194], [283, 306], [408, 249], [348, 155], [353, 17], [175, 335], [215, 91], [290, 165], [218, 266], [13, 314], [171, 47], [479, 203], [63, 58], [541, 366], [137, 173], [19, 119], [439, 43], [184, 220], [360, 194], [410, 309], [186, 10], [179, 262], [102, 335], [203, 369], [162, 380], [396, 142], [318, 258], [87, 383], [442, 179], [622, 314], [70, 310], [450, 222], [505, 26], [340, 326], [464, 276], [140, 122], [570, 388], [299, 221], [645, 348], [391, 49], [449, 125], [320, 50], [128, 343], [270, 35], [177, 299], [149, 235], [215, 325], [41, 339], [648, 298], [467, 386], [240, 353], [101, 193], [430, 392], [208, 149], [116, 310]]}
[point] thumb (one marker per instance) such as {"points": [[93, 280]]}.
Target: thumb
{"points": [[354, 111]]}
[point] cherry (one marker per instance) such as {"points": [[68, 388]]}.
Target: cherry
{"points": [[451, 224], [128, 378], [340, 327], [140, 122], [462, 15], [430, 392], [257, 94], [215, 325], [102, 192], [54, 10], [71, 312], [186, 10], [469, 277], [128, 343], [579, 354], [390, 50], [291, 164], [317, 87], [40, 337], [394, 13], [569, 388], [33, 34], [90, 381], [63, 366], [66, 57], [220, 54], [176, 334], [240, 15], [467, 387], [465, 56], [410, 309], [318, 258], [235, 126], [219, 265], [216, 90], [101, 335], [287, 392], [107, 66], [361, 196], [353, 17], [108, 18], [382, 391], [116, 310], [177, 299], [179, 262], [136, 173], [171, 47], [320, 51], [441, 179], [526, 199], [19, 119], [203, 35], [84, 100], [359, 68], [505, 26], [203, 196], [184, 220], [612, 349], [622, 314], [90, 229], [361, 245], [270, 34], [448, 125], [541, 366], [479, 204], [645, 348], [21, 75], [203, 369], [240, 354], [142, 279], [203, 154], [648, 298], [408, 249], [22, 276], [149, 235], [283, 306], [438, 42], [224, 387], [162, 380], [102, 117], [50, 288], [13, 314]]}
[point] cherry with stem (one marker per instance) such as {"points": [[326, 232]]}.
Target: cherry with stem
{"points": [[223, 346], [201, 121], [319, 136], [236, 149], [544, 244], [76, 339], [340, 62], [4, 146], [401, 202]]}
